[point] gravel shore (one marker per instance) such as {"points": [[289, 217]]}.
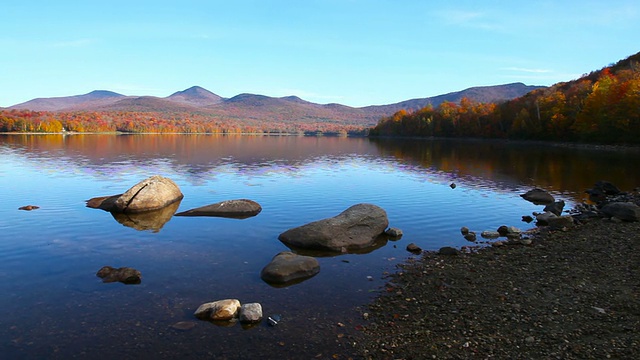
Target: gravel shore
{"points": [[571, 294]]}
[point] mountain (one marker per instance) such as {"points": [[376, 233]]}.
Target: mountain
{"points": [[260, 107], [96, 97], [495, 93], [195, 96]]}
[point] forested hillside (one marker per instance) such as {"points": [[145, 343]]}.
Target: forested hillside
{"points": [[603, 106]]}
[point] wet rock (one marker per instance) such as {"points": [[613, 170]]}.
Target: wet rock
{"points": [[394, 232], [624, 211], [453, 185], [464, 230], [125, 275], [448, 250], [470, 236], [561, 222], [527, 218], [237, 209], [355, 228], [413, 248], [150, 194], [555, 207], [221, 310], [251, 313], [183, 325], [287, 267], [29, 207], [488, 234], [543, 218], [538, 197], [503, 230]]}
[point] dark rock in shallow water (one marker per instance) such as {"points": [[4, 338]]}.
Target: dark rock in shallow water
{"points": [[556, 207], [538, 197], [413, 248], [125, 275], [29, 207], [448, 250], [237, 209], [287, 268], [356, 228]]}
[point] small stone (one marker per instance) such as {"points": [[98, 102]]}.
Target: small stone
{"points": [[183, 325], [453, 185], [471, 236], [530, 339], [414, 248], [251, 313], [394, 232], [464, 230], [527, 218], [29, 207], [218, 310], [487, 234]]}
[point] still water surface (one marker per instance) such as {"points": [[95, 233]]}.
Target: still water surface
{"points": [[55, 307]]}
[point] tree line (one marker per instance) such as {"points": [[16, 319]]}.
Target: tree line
{"points": [[603, 106]]}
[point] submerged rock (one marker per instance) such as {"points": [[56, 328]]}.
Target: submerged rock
{"points": [[237, 209], [538, 197], [394, 232], [221, 310], [150, 194], [355, 228], [29, 207], [413, 248], [287, 267], [125, 275]]}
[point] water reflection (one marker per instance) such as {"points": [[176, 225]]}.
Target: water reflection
{"points": [[150, 220]]}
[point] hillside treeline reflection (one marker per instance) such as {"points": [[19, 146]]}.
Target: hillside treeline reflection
{"points": [[496, 164]]}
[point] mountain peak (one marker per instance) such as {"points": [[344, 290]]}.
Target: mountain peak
{"points": [[195, 95]]}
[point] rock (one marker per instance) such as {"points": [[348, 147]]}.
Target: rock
{"points": [[29, 207], [125, 275], [543, 219], [561, 222], [287, 267], [355, 228], [221, 310], [183, 325], [470, 236], [513, 231], [150, 194], [464, 230], [487, 234], [238, 209], [414, 248], [448, 250], [527, 218], [503, 230], [394, 232], [555, 207], [453, 185], [624, 211], [251, 313], [538, 197]]}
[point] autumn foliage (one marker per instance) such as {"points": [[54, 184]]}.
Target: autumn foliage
{"points": [[603, 106]]}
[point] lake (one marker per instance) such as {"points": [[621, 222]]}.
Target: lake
{"points": [[54, 306]]}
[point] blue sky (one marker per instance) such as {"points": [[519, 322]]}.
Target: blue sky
{"points": [[352, 52]]}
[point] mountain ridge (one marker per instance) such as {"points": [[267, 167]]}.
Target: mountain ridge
{"points": [[260, 107]]}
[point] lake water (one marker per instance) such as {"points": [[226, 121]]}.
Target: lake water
{"points": [[54, 306]]}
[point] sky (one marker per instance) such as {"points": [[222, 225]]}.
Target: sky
{"points": [[352, 52]]}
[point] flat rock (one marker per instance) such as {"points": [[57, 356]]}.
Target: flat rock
{"points": [[287, 267], [237, 209], [538, 197], [355, 228]]}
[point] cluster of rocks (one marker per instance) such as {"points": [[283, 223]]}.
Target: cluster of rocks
{"points": [[151, 203]]}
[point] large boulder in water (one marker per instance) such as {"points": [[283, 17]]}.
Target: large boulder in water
{"points": [[237, 209], [150, 194], [357, 227]]}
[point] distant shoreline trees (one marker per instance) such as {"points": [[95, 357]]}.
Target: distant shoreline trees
{"points": [[602, 107]]}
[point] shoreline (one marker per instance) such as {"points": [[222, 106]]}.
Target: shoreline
{"points": [[571, 294]]}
